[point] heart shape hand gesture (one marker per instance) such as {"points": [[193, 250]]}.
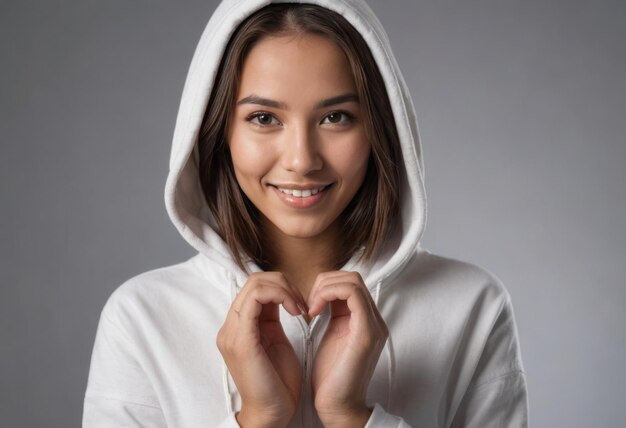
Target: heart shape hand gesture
{"points": [[265, 367]]}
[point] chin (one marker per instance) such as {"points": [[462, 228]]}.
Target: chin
{"points": [[301, 234], [302, 231]]}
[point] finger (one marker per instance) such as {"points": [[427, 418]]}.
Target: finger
{"points": [[275, 278], [353, 294], [340, 308], [265, 294], [280, 279], [252, 284], [324, 278]]}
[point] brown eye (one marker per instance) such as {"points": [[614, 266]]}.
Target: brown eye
{"points": [[263, 119], [337, 118], [334, 117]]}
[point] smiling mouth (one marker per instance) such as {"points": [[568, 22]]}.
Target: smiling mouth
{"points": [[302, 196], [302, 193]]}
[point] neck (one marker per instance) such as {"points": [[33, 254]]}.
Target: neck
{"points": [[302, 259]]}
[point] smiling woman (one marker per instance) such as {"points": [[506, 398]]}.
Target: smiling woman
{"points": [[321, 64], [299, 150], [296, 173]]}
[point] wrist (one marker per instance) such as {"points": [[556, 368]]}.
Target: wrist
{"points": [[247, 419]]}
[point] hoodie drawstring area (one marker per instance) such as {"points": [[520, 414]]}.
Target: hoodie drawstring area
{"points": [[225, 384], [388, 350]]}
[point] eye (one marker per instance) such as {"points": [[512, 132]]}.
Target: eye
{"points": [[262, 119], [338, 117]]}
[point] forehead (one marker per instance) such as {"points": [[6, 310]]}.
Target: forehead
{"points": [[303, 65]]}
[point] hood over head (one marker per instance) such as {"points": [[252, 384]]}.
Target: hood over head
{"points": [[184, 198]]}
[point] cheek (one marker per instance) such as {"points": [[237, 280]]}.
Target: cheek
{"points": [[251, 159], [350, 160]]}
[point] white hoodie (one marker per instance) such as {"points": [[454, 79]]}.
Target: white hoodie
{"points": [[452, 358]]}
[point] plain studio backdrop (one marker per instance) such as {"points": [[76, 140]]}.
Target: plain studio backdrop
{"points": [[522, 109]]}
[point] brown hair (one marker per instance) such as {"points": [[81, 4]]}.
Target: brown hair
{"points": [[369, 217]]}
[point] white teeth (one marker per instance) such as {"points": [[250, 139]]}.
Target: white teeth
{"points": [[301, 193]]}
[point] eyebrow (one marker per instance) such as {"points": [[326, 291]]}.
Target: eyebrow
{"points": [[255, 99], [338, 100]]}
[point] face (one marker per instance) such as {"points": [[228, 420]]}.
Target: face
{"points": [[297, 137]]}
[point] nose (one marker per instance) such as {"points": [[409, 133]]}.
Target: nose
{"points": [[301, 151]]}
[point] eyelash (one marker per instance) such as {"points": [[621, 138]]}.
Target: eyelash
{"points": [[349, 117], [256, 114]]}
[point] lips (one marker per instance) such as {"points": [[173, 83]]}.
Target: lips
{"points": [[301, 193], [301, 196]]}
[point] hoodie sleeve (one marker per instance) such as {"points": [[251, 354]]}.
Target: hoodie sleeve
{"points": [[382, 419], [118, 391], [497, 395]]}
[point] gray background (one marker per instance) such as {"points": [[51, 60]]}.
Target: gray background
{"points": [[522, 114]]}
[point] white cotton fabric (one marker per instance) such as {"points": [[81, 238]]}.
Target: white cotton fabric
{"points": [[452, 358]]}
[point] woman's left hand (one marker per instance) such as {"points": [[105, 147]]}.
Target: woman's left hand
{"points": [[348, 353]]}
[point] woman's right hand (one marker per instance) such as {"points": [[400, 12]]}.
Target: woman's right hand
{"points": [[257, 352]]}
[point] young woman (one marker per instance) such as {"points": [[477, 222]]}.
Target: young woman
{"points": [[296, 174]]}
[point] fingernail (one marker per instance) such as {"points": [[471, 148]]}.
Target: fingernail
{"points": [[302, 310]]}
